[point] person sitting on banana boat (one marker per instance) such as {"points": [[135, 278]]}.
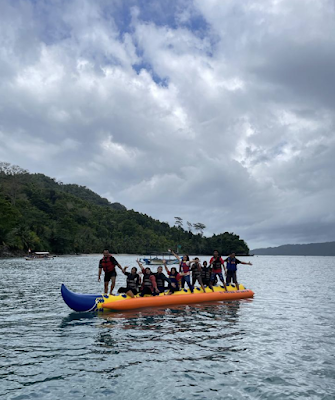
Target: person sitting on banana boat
{"points": [[149, 285], [161, 278], [232, 262], [133, 282], [175, 279]]}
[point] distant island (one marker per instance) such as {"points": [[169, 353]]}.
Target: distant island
{"points": [[41, 214], [311, 249]]}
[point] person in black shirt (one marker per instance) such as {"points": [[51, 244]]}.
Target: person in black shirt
{"points": [[161, 279], [133, 282]]}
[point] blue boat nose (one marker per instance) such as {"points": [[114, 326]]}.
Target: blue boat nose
{"points": [[78, 302]]}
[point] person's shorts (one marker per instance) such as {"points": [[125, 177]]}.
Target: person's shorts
{"points": [[231, 276], [214, 274], [109, 275]]}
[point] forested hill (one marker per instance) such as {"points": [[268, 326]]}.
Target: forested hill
{"points": [[312, 249], [39, 213]]}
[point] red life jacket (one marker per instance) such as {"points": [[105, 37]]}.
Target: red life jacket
{"points": [[185, 268], [107, 264]]}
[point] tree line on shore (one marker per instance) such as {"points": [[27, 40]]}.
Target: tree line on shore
{"points": [[38, 213]]}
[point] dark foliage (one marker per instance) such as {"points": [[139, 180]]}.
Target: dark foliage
{"points": [[39, 213]]}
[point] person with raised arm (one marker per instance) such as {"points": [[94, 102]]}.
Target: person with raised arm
{"points": [[161, 279], [216, 263], [175, 278], [149, 285], [232, 262], [108, 264], [133, 282], [184, 266]]}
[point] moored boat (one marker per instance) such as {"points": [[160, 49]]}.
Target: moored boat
{"points": [[92, 302], [155, 259], [39, 255]]}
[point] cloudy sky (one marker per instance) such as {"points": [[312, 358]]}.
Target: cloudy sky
{"points": [[216, 111]]}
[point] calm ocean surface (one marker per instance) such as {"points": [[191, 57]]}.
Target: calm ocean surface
{"points": [[280, 345]]}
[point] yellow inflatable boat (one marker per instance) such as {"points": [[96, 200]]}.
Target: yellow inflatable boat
{"points": [[93, 302], [123, 302]]}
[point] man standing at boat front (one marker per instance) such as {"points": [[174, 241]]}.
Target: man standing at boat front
{"points": [[108, 264]]}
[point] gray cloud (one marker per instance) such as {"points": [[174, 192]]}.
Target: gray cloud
{"points": [[217, 112]]}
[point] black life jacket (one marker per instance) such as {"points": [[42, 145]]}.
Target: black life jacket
{"points": [[132, 281], [160, 279], [206, 273], [195, 269], [217, 264], [147, 281]]}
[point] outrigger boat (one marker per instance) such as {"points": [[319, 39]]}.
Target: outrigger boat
{"points": [[93, 302], [155, 259], [39, 255]]}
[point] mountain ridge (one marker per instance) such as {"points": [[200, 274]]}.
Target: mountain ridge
{"points": [[41, 214], [309, 249]]}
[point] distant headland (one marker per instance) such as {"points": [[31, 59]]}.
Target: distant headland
{"points": [[311, 249]]}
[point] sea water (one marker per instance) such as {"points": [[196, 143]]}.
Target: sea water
{"points": [[279, 345]]}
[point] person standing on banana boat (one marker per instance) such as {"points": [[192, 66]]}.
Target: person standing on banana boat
{"points": [[216, 262], [196, 273], [184, 264], [108, 264], [232, 262], [206, 272]]}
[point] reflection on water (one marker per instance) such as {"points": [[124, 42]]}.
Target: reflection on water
{"points": [[75, 317], [179, 316], [278, 345]]}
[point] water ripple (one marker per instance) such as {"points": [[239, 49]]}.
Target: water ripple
{"points": [[278, 345]]}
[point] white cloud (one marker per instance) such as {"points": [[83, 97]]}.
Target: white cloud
{"points": [[219, 112]]}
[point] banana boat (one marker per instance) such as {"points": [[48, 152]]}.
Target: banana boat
{"points": [[92, 302]]}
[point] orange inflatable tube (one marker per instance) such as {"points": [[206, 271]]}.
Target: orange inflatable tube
{"points": [[167, 300]]}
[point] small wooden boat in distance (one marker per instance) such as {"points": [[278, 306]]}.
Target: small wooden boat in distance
{"points": [[39, 255]]}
